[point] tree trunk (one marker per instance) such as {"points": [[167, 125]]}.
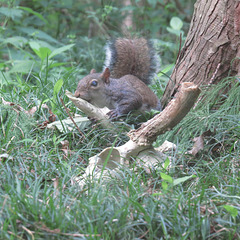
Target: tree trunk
{"points": [[212, 48], [128, 21]]}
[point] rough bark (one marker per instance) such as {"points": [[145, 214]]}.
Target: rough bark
{"points": [[212, 47], [128, 21]]}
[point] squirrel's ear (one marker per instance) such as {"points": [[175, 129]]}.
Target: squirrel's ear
{"points": [[93, 71], [106, 75]]}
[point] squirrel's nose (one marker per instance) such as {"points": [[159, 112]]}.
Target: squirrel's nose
{"points": [[77, 94]]}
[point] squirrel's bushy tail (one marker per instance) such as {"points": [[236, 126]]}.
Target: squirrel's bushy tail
{"points": [[131, 56]]}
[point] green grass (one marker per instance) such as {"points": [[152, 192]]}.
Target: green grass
{"points": [[37, 197], [38, 200]]}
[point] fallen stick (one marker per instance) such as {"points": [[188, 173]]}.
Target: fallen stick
{"points": [[91, 111], [142, 138], [175, 111]]}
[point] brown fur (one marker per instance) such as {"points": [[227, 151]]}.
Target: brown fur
{"points": [[122, 87]]}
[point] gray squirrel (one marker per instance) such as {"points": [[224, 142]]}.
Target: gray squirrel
{"points": [[122, 86]]}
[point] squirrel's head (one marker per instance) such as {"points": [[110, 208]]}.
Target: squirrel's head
{"points": [[92, 87]]}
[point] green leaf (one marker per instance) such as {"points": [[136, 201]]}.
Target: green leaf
{"points": [[38, 44], [11, 12], [5, 79], [54, 138], [60, 50], [158, 193], [57, 88], [174, 31], [17, 41], [182, 179], [166, 177], [57, 64], [22, 66], [153, 3], [176, 23], [34, 45], [37, 33], [231, 209], [164, 185], [42, 52], [166, 69], [34, 13], [166, 163]]}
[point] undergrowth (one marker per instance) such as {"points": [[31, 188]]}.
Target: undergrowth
{"points": [[38, 197]]}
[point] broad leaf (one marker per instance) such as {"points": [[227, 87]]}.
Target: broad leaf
{"points": [[34, 45], [176, 23], [175, 31], [42, 52], [164, 185], [34, 13], [182, 179], [166, 163], [166, 177], [22, 66], [37, 33], [60, 50], [17, 41], [231, 209], [11, 12], [153, 3]]}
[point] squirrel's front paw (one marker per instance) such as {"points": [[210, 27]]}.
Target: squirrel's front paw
{"points": [[113, 114], [93, 120]]}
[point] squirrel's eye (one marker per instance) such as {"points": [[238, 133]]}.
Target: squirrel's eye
{"points": [[94, 83]]}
